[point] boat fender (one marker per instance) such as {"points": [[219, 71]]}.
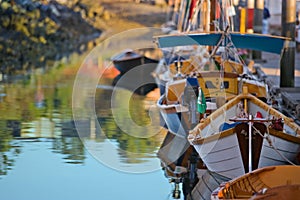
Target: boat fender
{"points": [[201, 102], [258, 115]]}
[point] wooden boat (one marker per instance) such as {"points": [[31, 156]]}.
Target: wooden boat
{"points": [[129, 59], [218, 85], [231, 142], [234, 74], [220, 81], [135, 70], [126, 60], [274, 182], [174, 113]]}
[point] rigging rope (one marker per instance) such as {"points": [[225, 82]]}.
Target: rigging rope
{"points": [[268, 138]]}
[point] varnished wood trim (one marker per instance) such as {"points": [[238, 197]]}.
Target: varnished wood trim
{"points": [[169, 110], [289, 122], [214, 137], [284, 136], [217, 74]]}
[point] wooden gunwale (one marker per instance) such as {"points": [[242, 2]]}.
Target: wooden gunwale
{"points": [[250, 183], [284, 136], [195, 134], [214, 137]]}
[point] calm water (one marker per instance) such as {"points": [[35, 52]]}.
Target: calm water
{"points": [[42, 157]]}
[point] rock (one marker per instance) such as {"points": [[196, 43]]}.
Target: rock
{"points": [[33, 32]]}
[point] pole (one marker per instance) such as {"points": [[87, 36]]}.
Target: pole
{"points": [[212, 14], [257, 24], [258, 15], [287, 62], [243, 20], [250, 144], [250, 16], [208, 20]]}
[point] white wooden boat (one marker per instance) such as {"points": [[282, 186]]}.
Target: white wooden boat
{"points": [[274, 182], [169, 108], [230, 152]]}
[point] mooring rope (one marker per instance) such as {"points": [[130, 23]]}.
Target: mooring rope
{"points": [[268, 138]]}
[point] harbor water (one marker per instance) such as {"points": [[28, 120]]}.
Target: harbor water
{"points": [[43, 157]]}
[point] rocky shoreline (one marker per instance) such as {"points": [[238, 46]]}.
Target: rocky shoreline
{"points": [[34, 32]]}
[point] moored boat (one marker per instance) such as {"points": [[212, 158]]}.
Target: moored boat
{"points": [[220, 79], [274, 182], [135, 69], [126, 60], [129, 59], [232, 141]]}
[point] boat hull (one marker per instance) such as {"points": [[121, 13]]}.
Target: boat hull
{"points": [[222, 156], [227, 152], [264, 183], [287, 150], [172, 118]]}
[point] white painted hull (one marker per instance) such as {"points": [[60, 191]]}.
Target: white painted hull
{"points": [[222, 156], [285, 150], [221, 153], [170, 114]]}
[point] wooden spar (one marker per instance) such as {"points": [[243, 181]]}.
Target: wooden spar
{"points": [[187, 15], [181, 15], [219, 42], [243, 20], [212, 14], [208, 20], [194, 16], [245, 92]]}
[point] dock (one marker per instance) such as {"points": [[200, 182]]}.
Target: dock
{"points": [[289, 96]]}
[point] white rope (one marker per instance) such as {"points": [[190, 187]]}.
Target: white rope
{"points": [[268, 138]]}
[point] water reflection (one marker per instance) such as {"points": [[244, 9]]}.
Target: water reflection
{"points": [[8, 149], [39, 106], [72, 149]]}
